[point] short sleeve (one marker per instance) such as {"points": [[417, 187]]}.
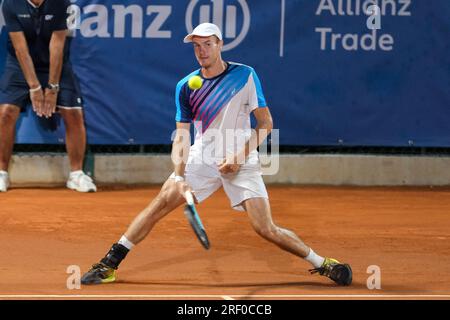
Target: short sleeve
{"points": [[184, 110], [11, 20], [61, 15], [256, 96]]}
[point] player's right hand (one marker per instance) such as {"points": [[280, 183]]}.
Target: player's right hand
{"points": [[50, 102], [37, 101], [182, 187]]}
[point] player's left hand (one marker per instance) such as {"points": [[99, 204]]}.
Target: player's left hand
{"points": [[50, 102], [37, 100], [229, 165]]}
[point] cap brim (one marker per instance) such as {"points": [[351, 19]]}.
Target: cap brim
{"points": [[189, 37]]}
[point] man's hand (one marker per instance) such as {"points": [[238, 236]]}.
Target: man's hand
{"points": [[37, 100], [182, 187], [50, 102], [229, 165]]}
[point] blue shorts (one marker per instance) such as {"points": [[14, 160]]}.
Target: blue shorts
{"points": [[14, 89]]}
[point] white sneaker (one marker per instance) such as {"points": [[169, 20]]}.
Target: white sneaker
{"points": [[4, 181], [81, 182]]}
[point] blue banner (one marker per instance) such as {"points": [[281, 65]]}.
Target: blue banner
{"points": [[333, 71]]}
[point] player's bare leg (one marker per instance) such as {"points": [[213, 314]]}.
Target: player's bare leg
{"points": [[8, 117], [167, 200], [76, 148], [75, 136], [258, 210]]}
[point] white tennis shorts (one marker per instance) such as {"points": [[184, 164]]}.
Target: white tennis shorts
{"points": [[205, 179]]}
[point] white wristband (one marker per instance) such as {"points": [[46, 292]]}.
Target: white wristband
{"points": [[179, 178], [36, 89]]}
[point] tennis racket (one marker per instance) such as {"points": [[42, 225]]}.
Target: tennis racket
{"points": [[194, 219]]}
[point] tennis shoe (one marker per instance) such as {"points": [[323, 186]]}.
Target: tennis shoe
{"points": [[4, 181], [81, 182], [98, 274], [341, 273]]}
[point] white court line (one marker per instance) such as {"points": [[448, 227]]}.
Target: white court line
{"points": [[283, 9], [224, 297]]}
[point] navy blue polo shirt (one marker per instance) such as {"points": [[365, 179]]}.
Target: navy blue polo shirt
{"points": [[37, 24]]}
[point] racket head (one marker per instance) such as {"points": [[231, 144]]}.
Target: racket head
{"points": [[196, 224]]}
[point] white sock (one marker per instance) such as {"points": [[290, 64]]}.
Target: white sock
{"points": [[126, 243], [314, 259], [4, 172], [75, 173]]}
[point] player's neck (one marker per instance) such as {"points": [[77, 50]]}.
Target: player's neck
{"points": [[37, 3], [215, 69]]}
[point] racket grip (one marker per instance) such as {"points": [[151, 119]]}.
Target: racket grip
{"points": [[189, 198]]}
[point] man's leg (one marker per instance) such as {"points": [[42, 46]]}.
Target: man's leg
{"points": [[76, 147], [167, 200], [258, 210], [75, 136], [8, 117]]}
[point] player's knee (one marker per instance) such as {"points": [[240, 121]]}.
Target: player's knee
{"points": [[7, 115], [168, 194], [73, 118], [173, 195], [267, 231]]}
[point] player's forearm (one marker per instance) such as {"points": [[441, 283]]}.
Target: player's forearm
{"points": [[180, 153], [27, 66], [257, 137], [56, 61], [179, 169]]}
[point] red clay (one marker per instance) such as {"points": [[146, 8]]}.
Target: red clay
{"points": [[404, 231]]}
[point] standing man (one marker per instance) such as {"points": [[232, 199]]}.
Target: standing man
{"points": [[229, 94], [38, 70]]}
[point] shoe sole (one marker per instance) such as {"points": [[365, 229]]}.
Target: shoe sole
{"points": [[349, 275], [110, 279], [89, 191], [75, 189]]}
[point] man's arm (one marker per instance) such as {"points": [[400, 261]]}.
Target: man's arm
{"points": [[57, 43], [180, 154], [180, 147], [263, 128], [26, 63]]}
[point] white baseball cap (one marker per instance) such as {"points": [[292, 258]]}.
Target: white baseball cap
{"points": [[204, 30]]}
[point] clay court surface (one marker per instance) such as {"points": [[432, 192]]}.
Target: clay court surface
{"points": [[404, 231]]}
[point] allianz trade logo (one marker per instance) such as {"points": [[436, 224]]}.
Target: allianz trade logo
{"points": [[227, 15]]}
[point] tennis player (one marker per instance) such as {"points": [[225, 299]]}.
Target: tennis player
{"points": [[230, 93], [38, 71]]}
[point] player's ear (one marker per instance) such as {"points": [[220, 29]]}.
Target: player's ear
{"points": [[220, 43]]}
